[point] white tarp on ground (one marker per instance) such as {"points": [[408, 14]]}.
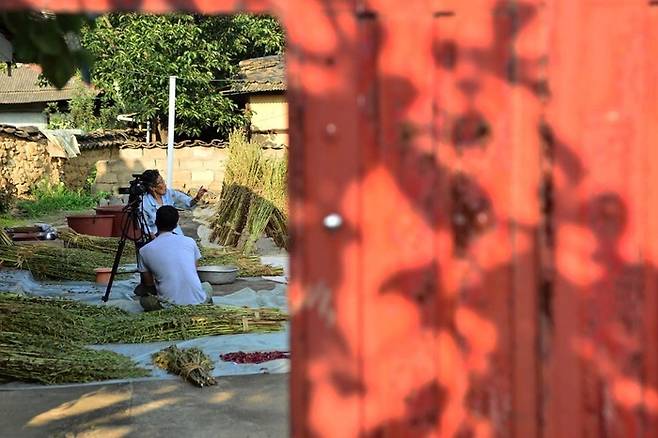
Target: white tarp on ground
{"points": [[22, 282]]}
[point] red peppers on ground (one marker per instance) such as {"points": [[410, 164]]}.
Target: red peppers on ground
{"points": [[254, 357]]}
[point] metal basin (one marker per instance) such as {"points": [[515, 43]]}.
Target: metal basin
{"points": [[219, 274]]}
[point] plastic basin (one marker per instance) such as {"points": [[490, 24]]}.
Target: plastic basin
{"points": [[92, 225], [117, 212], [119, 220]]}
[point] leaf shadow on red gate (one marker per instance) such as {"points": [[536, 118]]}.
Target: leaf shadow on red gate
{"points": [[436, 311]]}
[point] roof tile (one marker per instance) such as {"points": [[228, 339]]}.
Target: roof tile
{"points": [[23, 87]]}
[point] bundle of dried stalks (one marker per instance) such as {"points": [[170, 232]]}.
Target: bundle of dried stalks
{"points": [[253, 200], [189, 363]]}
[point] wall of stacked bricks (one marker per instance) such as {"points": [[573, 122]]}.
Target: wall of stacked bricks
{"points": [[193, 167]]}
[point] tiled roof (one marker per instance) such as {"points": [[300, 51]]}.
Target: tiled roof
{"points": [[28, 133], [105, 143], [108, 139], [122, 139], [259, 75], [23, 87]]}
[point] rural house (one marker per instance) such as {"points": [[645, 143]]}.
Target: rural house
{"points": [[23, 101], [260, 87]]}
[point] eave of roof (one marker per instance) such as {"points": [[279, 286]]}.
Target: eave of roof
{"points": [[259, 75], [23, 87]]}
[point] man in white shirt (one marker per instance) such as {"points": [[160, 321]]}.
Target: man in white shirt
{"points": [[169, 263]]}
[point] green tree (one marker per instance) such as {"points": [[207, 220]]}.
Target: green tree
{"points": [[134, 55]]}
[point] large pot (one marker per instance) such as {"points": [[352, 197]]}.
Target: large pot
{"points": [[119, 220], [220, 274], [103, 275], [92, 225]]}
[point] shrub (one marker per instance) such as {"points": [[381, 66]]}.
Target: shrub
{"points": [[49, 198], [6, 200]]}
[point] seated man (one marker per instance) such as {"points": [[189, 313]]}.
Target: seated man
{"points": [[169, 263]]}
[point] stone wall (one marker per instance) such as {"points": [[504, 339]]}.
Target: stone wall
{"points": [[24, 162], [75, 171]]}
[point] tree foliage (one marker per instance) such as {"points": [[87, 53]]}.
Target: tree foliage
{"points": [[85, 111], [49, 40], [135, 54]]}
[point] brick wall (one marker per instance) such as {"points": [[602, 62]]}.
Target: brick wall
{"points": [[193, 167]]}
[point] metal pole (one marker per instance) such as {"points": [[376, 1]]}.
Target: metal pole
{"points": [[170, 130]]}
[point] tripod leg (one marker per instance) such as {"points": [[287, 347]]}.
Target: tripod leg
{"points": [[117, 258], [115, 266], [135, 218]]}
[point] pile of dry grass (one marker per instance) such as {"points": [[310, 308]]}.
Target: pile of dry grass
{"points": [[46, 261], [4, 238], [254, 198], [189, 363], [43, 339]]}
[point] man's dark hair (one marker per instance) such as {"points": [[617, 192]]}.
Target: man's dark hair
{"points": [[166, 218], [149, 177]]}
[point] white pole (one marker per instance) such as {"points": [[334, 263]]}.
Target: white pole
{"points": [[170, 130]]}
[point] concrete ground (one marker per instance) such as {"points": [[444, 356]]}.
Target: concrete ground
{"points": [[239, 406]]}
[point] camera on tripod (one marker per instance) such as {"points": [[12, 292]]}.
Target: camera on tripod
{"points": [[137, 187], [133, 226]]}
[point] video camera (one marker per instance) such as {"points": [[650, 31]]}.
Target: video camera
{"points": [[137, 187]]}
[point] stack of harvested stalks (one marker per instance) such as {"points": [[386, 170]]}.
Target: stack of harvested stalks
{"points": [[79, 322], [84, 254], [107, 245], [186, 322], [42, 339], [189, 363], [46, 261], [249, 266], [4, 238], [41, 358], [253, 200]]}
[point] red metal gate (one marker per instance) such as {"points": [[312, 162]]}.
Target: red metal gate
{"points": [[472, 214]]}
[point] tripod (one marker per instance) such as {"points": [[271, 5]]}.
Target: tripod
{"points": [[133, 220]]}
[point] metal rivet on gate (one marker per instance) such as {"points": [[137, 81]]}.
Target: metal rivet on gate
{"points": [[331, 129], [459, 219], [482, 218], [333, 221]]}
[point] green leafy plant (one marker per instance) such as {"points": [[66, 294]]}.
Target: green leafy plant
{"points": [[49, 198], [57, 119], [6, 200], [90, 180], [82, 112]]}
